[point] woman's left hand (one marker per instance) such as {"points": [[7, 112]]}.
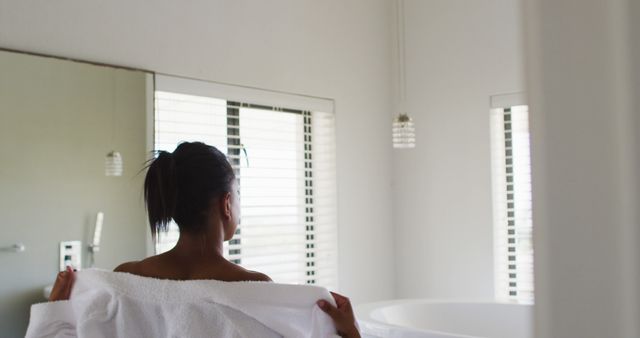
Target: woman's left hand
{"points": [[342, 316], [62, 286]]}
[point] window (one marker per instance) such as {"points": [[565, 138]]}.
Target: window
{"points": [[284, 160], [511, 166]]}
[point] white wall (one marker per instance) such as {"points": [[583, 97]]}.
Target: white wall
{"points": [[459, 53], [634, 238], [583, 76], [334, 48]]}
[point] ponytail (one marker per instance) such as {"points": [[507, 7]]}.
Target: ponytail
{"points": [[160, 192], [179, 186]]}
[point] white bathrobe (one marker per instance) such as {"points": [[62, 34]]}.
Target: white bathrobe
{"points": [[116, 304]]}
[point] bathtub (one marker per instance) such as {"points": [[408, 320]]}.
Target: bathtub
{"points": [[417, 318]]}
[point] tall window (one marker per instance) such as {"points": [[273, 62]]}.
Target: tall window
{"points": [[512, 200], [284, 159]]}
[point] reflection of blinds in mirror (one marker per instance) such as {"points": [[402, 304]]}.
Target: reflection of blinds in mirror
{"points": [[286, 171], [512, 203]]}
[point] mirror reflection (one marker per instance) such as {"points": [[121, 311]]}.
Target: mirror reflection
{"points": [[65, 126]]}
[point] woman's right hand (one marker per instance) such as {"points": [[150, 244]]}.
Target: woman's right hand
{"points": [[342, 316], [62, 286]]}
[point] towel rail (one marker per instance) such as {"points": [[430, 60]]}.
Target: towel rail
{"points": [[17, 247]]}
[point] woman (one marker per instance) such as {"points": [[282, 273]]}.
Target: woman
{"points": [[196, 187]]}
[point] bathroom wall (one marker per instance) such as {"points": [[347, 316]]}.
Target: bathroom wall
{"points": [[584, 83], [458, 54], [56, 121], [335, 49], [634, 235]]}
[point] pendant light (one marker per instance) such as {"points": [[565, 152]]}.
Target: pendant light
{"points": [[113, 165], [403, 129], [404, 135]]}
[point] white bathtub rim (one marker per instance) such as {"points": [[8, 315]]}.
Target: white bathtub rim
{"points": [[366, 315], [377, 329]]}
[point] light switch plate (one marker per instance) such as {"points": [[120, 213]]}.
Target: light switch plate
{"points": [[70, 255]]}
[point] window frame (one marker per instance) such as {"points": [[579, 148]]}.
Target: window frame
{"points": [[262, 99]]}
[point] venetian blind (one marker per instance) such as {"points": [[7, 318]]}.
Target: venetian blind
{"points": [[511, 166], [284, 160]]}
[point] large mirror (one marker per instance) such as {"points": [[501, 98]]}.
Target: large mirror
{"points": [[58, 121]]}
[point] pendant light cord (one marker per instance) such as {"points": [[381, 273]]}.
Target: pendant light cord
{"points": [[114, 106], [400, 42]]}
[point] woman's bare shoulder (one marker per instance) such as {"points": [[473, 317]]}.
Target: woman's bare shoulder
{"points": [[147, 267], [259, 277], [130, 267], [254, 276]]}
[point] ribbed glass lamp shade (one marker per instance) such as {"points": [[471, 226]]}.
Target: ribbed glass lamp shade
{"points": [[113, 164], [404, 132]]}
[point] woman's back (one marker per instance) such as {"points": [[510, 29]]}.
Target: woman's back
{"points": [[171, 265]]}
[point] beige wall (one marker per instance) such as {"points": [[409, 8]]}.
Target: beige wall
{"points": [[458, 53], [55, 129], [582, 75]]}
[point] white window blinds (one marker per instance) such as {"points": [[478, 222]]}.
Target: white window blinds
{"points": [[511, 166], [285, 163]]}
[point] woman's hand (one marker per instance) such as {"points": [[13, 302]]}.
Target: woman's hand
{"points": [[62, 286], [342, 315]]}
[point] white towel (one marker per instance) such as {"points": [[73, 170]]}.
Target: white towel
{"points": [[117, 304]]}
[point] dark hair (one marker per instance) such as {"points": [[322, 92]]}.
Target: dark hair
{"points": [[180, 185]]}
